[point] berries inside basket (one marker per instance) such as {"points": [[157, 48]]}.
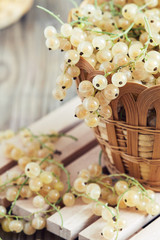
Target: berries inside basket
{"points": [[112, 52]]}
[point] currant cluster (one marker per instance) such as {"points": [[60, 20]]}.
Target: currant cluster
{"points": [[117, 37], [38, 176], [108, 195]]}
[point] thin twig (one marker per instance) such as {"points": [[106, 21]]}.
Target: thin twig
{"points": [[51, 13]]}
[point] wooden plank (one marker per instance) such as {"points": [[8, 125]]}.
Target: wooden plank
{"points": [[53, 121], [80, 215], [151, 232], [58, 119], [134, 221], [73, 149]]}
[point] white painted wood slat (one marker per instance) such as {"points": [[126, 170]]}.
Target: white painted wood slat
{"points": [[151, 232]]}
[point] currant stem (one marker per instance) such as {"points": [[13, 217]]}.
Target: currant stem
{"points": [[67, 174], [17, 196], [125, 32], [100, 158], [55, 208], [118, 68], [86, 196], [96, 3], [51, 13], [12, 180], [81, 21]]}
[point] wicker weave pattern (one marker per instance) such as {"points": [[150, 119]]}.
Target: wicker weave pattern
{"points": [[131, 146]]}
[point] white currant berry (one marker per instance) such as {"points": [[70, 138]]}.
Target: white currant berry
{"points": [[91, 104], [85, 49], [92, 120], [111, 92], [100, 82], [119, 79], [50, 32], [32, 170], [129, 11], [66, 30], [72, 57], [52, 43], [99, 43], [58, 93]]}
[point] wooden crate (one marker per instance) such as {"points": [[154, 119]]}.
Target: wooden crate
{"points": [[79, 220]]}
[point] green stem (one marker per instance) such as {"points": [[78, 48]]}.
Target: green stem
{"points": [[94, 200], [67, 135], [104, 184], [100, 158], [118, 68], [102, 32], [58, 135], [134, 182], [17, 196], [51, 13], [81, 21], [125, 32], [12, 180], [96, 3], [44, 159], [55, 208], [66, 172], [24, 217], [114, 12], [144, 6], [148, 27], [103, 4]]}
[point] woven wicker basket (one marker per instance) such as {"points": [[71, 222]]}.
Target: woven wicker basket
{"points": [[130, 146]]}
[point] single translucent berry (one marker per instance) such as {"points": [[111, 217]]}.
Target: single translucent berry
{"points": [[72, 57], [38, 223], [100, 82], [28, 229], [50, 32], [93, 191], [52, 43], [111, 92], [66, 30], [16, 226], [68, 199], [38, 201], [91, 104], [92, 120], [81, 112], [85, 49], [32, 170]]}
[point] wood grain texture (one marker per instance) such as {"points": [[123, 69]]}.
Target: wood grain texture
{"points": [[27, 69], [149, 232]]}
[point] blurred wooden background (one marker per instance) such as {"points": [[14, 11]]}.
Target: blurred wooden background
{"points": [[27, 69], [27, 75]]}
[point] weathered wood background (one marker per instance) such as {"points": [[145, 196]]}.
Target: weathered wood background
{"points": [[27, 69]]}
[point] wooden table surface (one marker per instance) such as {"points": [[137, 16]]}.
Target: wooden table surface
{"points": [[27, 69]]}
